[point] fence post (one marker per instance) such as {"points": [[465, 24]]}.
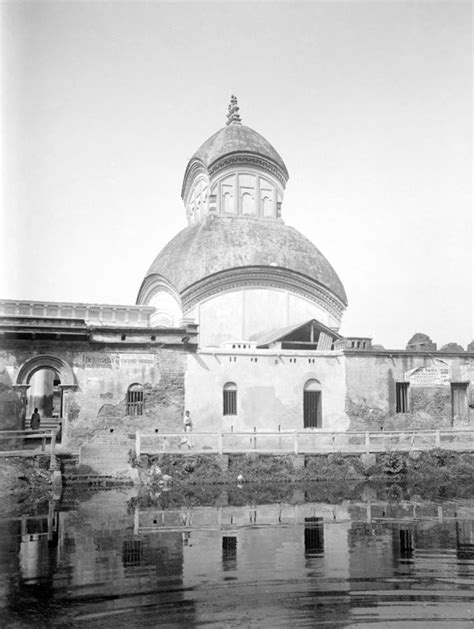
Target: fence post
{"points": [[137, 443], [296, 442], [52, 462], [438, 439], [367, 442], [219, 442]]}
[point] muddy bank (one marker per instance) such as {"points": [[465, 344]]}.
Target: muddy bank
{"points": [[25, 481], [435, 466]]}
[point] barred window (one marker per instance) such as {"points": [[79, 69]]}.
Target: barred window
{"points": [[135, 399], [132, 552], [230, 398], [402, 396]]}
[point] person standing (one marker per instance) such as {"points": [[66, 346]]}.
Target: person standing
{"points": [[188, 427], [35, 420]]}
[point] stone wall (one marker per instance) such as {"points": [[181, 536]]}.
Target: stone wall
{"points": [[371, 380], [97, 402]]}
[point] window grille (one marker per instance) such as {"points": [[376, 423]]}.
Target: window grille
{"points": [[402, 397], [135, 400], [132, 552], [230, 399]]}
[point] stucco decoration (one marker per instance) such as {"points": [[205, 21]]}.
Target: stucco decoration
{"points": [[45, 361]]}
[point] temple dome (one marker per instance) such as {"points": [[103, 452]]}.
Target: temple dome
{"points": [[217, 244], [236, 138], [237, 269]]}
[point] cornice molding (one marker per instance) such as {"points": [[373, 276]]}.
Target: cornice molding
{"points": [[248, 159], [262, 277]]}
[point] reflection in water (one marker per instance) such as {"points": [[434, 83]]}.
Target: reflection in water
{"points": [[108, 560]]}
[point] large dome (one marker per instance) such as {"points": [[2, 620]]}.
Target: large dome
{"points": [[217, 244]]}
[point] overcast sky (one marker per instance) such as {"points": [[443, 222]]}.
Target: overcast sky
{"points": [[369, 104]]}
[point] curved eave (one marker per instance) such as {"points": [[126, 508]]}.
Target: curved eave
{"points": [[254, 277], [149, 286], [195, 165]]}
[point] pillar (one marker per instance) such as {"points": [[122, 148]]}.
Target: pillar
{"points": [[67, 391], [22, 391]]}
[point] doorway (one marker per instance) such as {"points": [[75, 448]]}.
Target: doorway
{"points": [[45, 394]]}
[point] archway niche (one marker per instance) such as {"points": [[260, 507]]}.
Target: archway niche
{"points": [[45, 383], [45, 393]]}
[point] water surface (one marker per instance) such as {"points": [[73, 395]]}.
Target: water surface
{"points": [[239, 557]]}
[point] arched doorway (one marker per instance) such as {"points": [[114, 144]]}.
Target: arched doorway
{"points": [[45, 394], [312, 408], [47, 383]]}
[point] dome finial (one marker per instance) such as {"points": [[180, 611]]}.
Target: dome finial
{"points": [[233, 116]]}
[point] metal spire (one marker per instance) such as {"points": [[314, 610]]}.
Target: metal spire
{"points": [[233, 116]]}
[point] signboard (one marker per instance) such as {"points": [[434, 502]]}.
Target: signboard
{"points": [[92, 360], [434, 376]]}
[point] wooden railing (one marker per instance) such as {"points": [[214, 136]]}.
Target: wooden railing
{"points": [[304, 442], [12, 442]]}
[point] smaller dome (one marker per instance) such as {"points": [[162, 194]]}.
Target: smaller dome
{"points": [[235, 143], [237, 138]]}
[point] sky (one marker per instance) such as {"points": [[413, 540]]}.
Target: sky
{"points": [[368, 103]]}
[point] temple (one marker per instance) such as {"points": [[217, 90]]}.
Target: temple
{"points": [[237, 270], [237, 320]]}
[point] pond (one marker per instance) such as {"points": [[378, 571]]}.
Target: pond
{"points": [[286, 556]]}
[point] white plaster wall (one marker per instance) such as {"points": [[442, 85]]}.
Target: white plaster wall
{"points": [[167, 310], [277, 551], [242, 313], [270, 389]]}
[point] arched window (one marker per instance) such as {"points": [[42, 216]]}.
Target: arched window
{"points": [[135, 399], [230, 398], [228, 203], [267, 206], [248, 206], [312, 404]]}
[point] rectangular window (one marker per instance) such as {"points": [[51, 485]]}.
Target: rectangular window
{"points": [[230, 402], [402, 396], [313, 537], [229, 552], [459, 400], [312, 409], [406, 543], [135, 400], [132, 552]]}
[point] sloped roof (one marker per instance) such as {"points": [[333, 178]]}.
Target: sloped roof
{"points": [[281, 334]]}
